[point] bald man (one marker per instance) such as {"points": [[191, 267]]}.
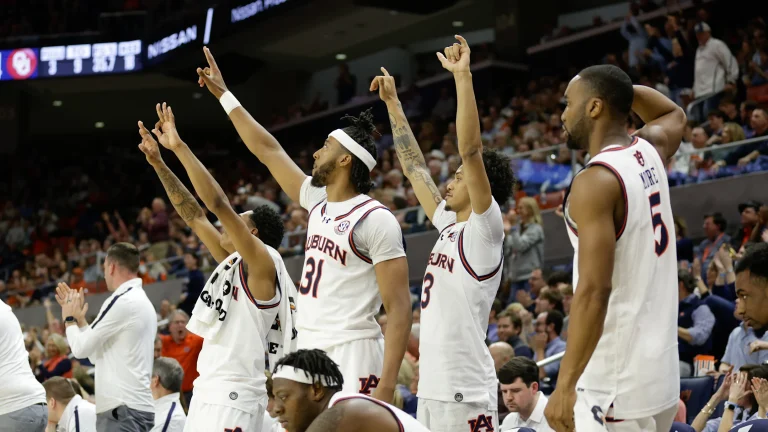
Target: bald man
{"points": [[501, 352]]}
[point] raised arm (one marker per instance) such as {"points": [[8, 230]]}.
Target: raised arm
{"points": [[406, 146], [664, 120], [258, 140], [185, 204], [261, 268], [595, 196], [456, 60]]}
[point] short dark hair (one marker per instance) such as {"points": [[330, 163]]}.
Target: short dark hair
{"points": [[718, 219], [555, 297], [716, 113], [687, 279], [59, 388], [270, 225], [519, 367], [125, 255], [755, 260], [316, 363], [611, 84], [498, 168], [516, 321], [361, 131], [559, 277], [555, 317]]}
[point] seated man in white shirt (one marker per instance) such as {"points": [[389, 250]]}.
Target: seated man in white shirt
{"points": [[67, 410], [167, 375], [22, 398], [519, 380], [120, 342]]}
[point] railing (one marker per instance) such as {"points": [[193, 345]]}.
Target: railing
{"points": [[550, 359], [691, 113]]}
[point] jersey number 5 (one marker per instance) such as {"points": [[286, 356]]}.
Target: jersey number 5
{"points": [[314, 271], [663, 242]]}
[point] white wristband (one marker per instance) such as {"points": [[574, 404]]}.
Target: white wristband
{"points": [[229, 102]]}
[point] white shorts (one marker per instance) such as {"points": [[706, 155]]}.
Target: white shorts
{"points": [[361, 363], [205, 417], [591, 416], [440, 416]]}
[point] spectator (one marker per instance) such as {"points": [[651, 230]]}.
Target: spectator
{"points": [[67, 409], [167, 376], [760, 232], [716, 122], [524, 245], [714, 230], [729, 109], [156, 223], [492, 333], [547, 343], [184, 347], [550, 299], [748, 153], [694, 323], [445, 106], [346, 85], [519, 381], [744, 347], [740, 398], [684, 244], [567, 293], [716, 68], [510, 326], [501, 352], [158, 347], [195, 281], [749, 220], [635, 34], [57, 363]]}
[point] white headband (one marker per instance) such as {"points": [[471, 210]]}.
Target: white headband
{"points": [[301, 376], [355, 148]]}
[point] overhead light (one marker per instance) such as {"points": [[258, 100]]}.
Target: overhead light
{"points": [[99, 125], [57, 103], [341, 56], [393, 12], [197, 95], [458, 23]]}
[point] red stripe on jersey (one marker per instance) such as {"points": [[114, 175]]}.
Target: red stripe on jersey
{"points": [[313, 209], [468, 268], [442, 230], [352, 231], [338, 218], [623, 192], [381, 404]]}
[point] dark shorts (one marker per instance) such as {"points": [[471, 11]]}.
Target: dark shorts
{"points": [[33, 418], [124, 419]]}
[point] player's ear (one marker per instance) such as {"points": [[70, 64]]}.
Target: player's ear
{"points": [[255, 231], [595, 106], [535, 386], [344, 159], [317, 392]]}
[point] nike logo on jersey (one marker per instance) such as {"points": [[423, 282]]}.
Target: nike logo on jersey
{"points": [[328, 247], [441, 260]]}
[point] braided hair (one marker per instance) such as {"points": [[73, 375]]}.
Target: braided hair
{"points": [[361, 130], [317, 363]]}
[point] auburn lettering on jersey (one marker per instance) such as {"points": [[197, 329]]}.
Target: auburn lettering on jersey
{"points": [[328, 247], [441, 260]]}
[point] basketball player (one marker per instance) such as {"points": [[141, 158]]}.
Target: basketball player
{"points": [[621, 364], [22, 398], [459, 387], [230, 392], [307, 386], [354, 255]]}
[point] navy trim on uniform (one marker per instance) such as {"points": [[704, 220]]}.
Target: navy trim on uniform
{"points": [[468, 267], [313, 209], [352, 231], [278, 290], [77, 420], [381, 404], [338, 218], [244, 282], [442, 230], [623, 192], [109, 306], [168, 419]]}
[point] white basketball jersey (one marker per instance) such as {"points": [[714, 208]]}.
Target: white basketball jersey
{"points": [[635, 363], [232, 364], [338, 294], [456, 301], [404, 420]]}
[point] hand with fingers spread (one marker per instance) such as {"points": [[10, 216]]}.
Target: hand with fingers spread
{"points": [[760, 390], [385, 84], [72, 303], [740, 388], [149, 146], [211, 76], [725, 388], [165, 128], [456, 58]]}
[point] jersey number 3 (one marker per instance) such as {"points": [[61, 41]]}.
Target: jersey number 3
{"points": [[314, 271], [663, 242], [426, 296]]}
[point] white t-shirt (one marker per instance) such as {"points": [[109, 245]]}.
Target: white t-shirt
{"points": [[169, 414], [19, 388], [536, 421], [78, 416]]}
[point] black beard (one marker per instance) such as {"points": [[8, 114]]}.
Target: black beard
{"points": [[320, 178]]}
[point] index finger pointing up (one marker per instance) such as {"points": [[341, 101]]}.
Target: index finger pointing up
{"points": [[384, 71], [209, 57]]}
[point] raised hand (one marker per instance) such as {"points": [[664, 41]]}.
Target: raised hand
{"points": [[165, 128], [456, 58], [211, 76], [72, 303], [725, 388], [149, 146], [760, 390], [739, 388], [385, 84]]}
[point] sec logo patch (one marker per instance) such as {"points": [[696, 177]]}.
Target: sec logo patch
{"points": [[341, 228]]}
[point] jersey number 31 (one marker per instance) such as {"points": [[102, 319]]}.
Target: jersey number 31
{"points": [[663, 242]]}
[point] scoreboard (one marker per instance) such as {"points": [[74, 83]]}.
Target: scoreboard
{"points": [[71, 60]]}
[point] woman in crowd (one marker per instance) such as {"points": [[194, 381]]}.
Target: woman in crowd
{"points": [[57, 363], [524, 244]]}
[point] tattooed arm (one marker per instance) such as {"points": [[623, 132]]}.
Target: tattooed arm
{"points": [[185, 204], [408, 151]]}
